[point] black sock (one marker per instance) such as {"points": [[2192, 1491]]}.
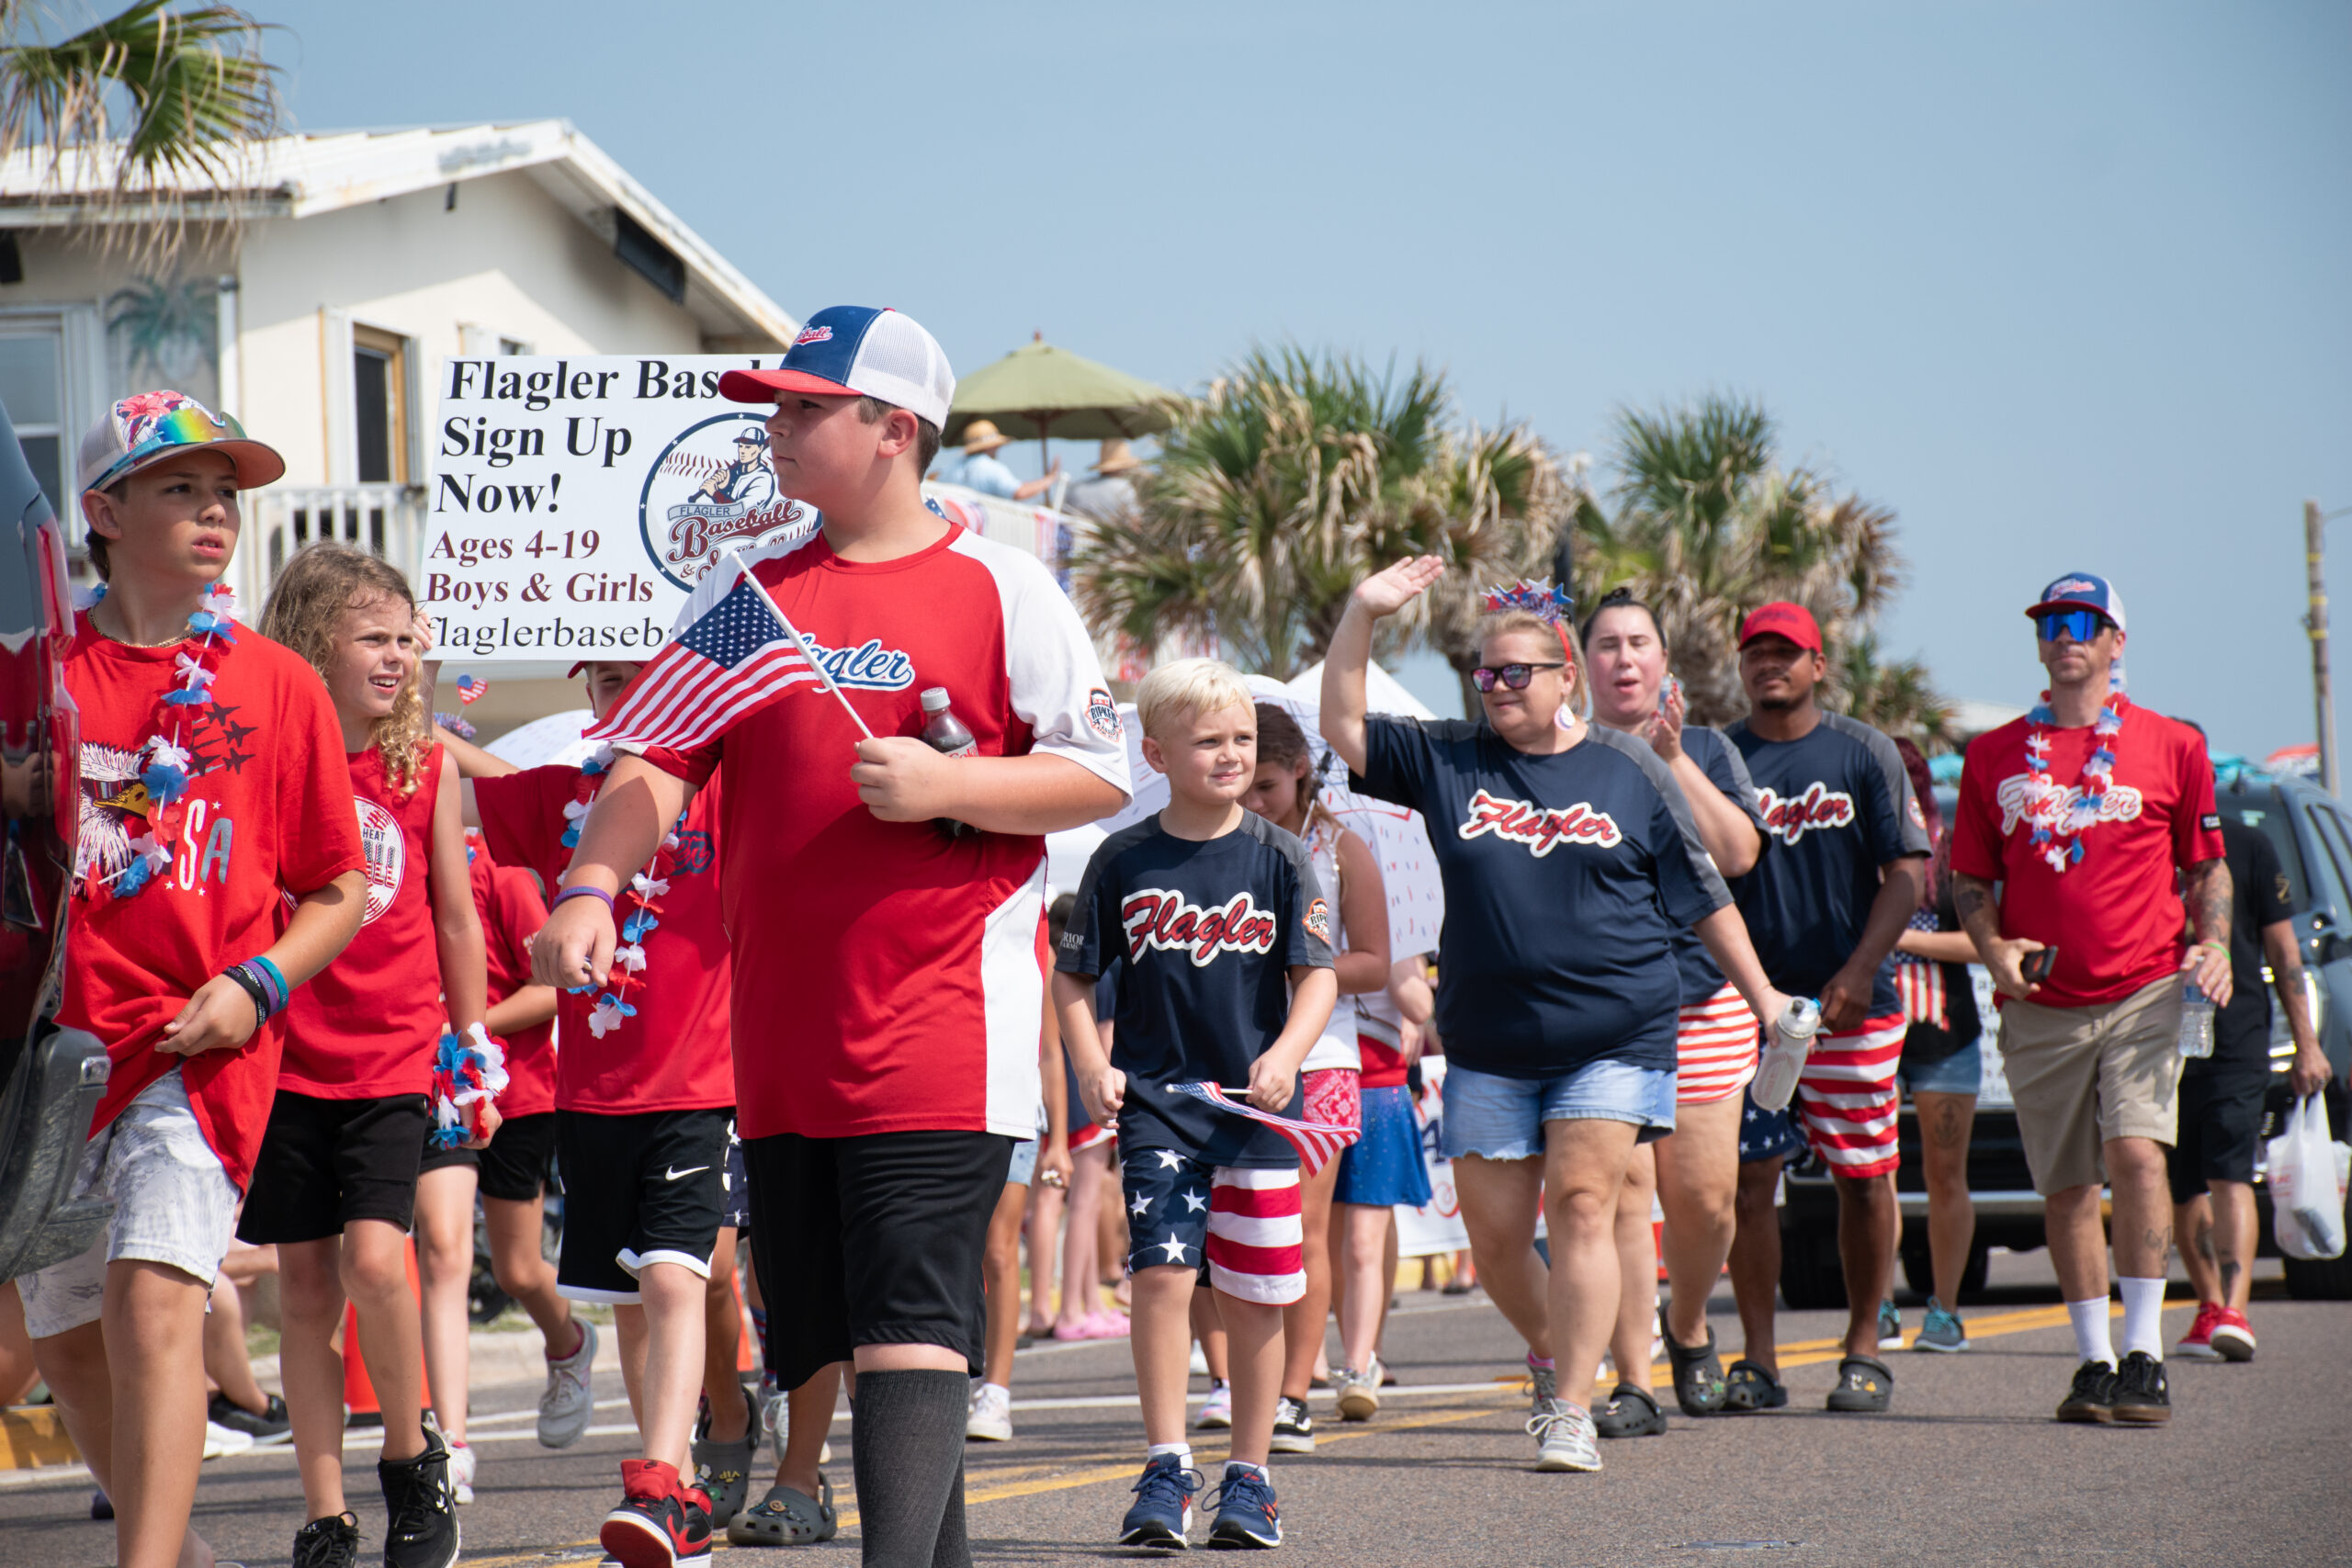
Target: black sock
{"points": [[907, 1452]]}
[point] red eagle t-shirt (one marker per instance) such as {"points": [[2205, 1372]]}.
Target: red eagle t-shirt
{"points": [[890, 977], [672, 1054], [267, 813], [2114, 915], [369, 1024], [507, 900]]}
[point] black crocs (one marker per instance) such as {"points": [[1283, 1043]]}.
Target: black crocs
{"points": [[1629, 1412], [1864, 1386], [1699, 1385], [1748, 1387]]}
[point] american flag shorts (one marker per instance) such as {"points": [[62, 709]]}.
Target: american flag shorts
{"points": [[1240, 1228], [1847, 1099], [1714, 1048]]}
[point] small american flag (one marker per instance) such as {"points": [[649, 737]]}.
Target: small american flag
{"points": [[736, 654], [1316, 1142], [1918, 983], [471, 689]]}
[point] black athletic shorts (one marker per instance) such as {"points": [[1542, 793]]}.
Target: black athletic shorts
{"points": [[876, 1240], [2221, 1122], [638, 1188], [738, 1185], [324, 1163], [520, 1157]]}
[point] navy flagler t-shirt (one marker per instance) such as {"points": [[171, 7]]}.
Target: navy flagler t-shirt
{"points": [[1721, 761], [1837, 805], [1566, 877], [1204, 933]]}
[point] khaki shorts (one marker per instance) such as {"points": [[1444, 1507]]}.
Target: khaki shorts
{"points": [[2081, 1076]]}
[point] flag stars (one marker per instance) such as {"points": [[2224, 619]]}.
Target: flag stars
{"points": [[1141, 1206], [1174, 1249], [1170, 1159], [1193, 1203]]}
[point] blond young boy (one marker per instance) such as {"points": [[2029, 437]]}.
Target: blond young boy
{"points": [[1225, 976]]}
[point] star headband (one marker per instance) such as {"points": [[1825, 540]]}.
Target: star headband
{"points": [[1549, 604]]}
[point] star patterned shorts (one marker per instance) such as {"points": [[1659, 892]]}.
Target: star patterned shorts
{"points": [[1240, 1228]]}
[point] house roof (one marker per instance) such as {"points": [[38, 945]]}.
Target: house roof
{"points": [[301, 176]]}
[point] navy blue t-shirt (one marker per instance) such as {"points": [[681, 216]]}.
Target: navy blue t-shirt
{"points": [[1721, 761], [1566, 877], [1837, 805], [1204, 933]]}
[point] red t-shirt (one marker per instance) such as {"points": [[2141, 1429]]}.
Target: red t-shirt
{"points": [[1383, 1065], [672, 1054], [2115, 915], [268, 812], [891, 978], [511, 911], [369, 1023]]}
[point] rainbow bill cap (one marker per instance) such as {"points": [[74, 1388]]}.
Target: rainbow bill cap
{"points": [[151, 427]]}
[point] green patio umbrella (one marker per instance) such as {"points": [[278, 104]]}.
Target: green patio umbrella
{"points": [[1039, 391]]}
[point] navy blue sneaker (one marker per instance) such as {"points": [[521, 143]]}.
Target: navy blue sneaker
{"points": [[1162, 1514], [1247, 1519]]}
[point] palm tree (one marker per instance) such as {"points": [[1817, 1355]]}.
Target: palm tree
{"points": [[1897, 697], [182, 89], [1708, 524], [1292, 478], [167, 325]]}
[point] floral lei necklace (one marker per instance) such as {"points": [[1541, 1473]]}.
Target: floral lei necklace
{"points": [[2060, 817], [641, 917], [165, 766]]}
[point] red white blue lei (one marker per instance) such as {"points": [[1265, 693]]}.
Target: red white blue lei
{"points": [[165, 766], [637, 910], [2060, 817], [464, 1074]]}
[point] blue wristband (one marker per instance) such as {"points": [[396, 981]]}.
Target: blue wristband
{"points": [[272, 976], [583, 891]]}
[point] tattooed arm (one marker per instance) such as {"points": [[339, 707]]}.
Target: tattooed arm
{"points": [[2280, 949], [1971, 898], [2207, 961]]}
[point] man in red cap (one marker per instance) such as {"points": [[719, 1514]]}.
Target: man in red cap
{"points": [[1842, 870], [2083, 810]]}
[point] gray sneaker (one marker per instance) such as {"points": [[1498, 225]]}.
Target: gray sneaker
{"points": [[565, 1406], [1547, 1382], [1941, 1331], [1564, 1438]]}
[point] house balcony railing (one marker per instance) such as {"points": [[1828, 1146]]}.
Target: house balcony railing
{"points": [[386, 520]]}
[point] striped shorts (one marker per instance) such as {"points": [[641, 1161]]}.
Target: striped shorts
{"points": [[1714, 1048], [1240, 1228], [1847, 1099]]}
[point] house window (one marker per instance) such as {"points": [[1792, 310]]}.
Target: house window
{"points": [[32, 387], [380, 402]]}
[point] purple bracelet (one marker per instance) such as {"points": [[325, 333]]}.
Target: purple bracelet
{"points": [[583, 891]]}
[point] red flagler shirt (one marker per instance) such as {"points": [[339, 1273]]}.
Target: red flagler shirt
{"points": [[672, 1054], [507, 900], [2115, 916], [268, 813], [369, 1024], [893, 979]]}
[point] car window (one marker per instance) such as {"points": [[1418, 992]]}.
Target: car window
{"points": [[2263, 812], [2328, 827]]}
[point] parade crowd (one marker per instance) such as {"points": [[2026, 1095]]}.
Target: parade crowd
{"points": [[771, 970]]}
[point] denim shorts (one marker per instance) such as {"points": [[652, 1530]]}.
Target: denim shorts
{"points": [[1962, 1072], [1502, 1117], [1024, 1164]]}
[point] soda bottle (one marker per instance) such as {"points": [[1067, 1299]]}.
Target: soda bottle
{"points": [[945, 734], [1792, 1033], [2196, 1023]]}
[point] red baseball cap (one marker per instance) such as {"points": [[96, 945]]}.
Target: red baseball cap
{"points": [[1784, 619]]}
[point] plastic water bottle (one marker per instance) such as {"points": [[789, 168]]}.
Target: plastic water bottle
{"points": [[945, 734], [1792, 1033], [2196, 1023]]}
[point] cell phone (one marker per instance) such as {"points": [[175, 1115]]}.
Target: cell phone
{"points": [[2037, 965], [1670, 686]]}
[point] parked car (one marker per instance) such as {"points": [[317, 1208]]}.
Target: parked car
{"points": [[51, 1078], [2313, 833]]}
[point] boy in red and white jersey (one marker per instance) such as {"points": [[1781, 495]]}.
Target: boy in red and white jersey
{"points": [[643, 1100], [213, 792], [887, 1001]]}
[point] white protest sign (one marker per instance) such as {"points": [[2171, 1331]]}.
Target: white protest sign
{"points": [[575, 503]]}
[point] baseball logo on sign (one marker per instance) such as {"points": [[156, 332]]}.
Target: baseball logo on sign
{"points": [[711, 492], [386, 849]]}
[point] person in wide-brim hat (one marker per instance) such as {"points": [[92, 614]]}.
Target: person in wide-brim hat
{"points": [[981, 435], [1117, 457]]}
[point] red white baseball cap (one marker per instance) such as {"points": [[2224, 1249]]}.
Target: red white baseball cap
{"points": [[2081, 590], [858, 351], [1784, 619]]}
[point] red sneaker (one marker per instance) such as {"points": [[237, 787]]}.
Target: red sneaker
{"points": [[659, 1523], [2196, 1345], [2232, 1337]]}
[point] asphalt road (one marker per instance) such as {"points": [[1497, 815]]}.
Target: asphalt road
{"points": [[1967, 1468]]}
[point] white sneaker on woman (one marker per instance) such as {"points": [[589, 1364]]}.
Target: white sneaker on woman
{"points": [[990, 1419], [1565, 1437]]}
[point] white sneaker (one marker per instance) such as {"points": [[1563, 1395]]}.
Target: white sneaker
{"points": [[1217, 1411], [991, 1420], [1200, 1360], [461, 1471], [566, 1405], [1565, 1437], [1359, 1392], [220, 1442]]}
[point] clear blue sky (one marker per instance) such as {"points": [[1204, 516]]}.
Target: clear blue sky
{"points": [[2065, 284]]}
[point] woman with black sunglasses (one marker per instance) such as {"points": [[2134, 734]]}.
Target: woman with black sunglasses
{"points": [[1570, 858]]}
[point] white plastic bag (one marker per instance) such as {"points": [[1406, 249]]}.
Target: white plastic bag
{"points": [[2308, 1173]]}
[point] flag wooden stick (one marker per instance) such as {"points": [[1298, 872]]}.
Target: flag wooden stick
{"points": [[806, 653]]}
